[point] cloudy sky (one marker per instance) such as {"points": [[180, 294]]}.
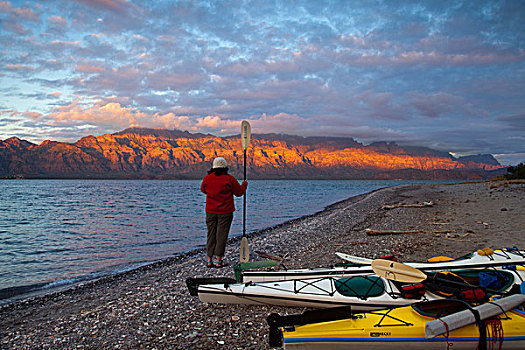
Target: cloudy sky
{"points": [[449, 75]]}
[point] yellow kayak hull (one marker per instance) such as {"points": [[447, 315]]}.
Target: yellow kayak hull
{"points": [[401, 328]]}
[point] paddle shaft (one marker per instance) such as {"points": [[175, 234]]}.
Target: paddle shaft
{"points": [[245, 141], [244, 201]]}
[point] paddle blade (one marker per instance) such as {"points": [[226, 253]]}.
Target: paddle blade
{"points": [[246, 134], [396, 271], [354, 259], [245, 250]]}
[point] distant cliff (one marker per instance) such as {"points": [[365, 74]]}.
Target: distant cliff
{"points": [[152, 153]]}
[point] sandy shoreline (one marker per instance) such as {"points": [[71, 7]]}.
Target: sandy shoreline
{"points": [[151, 308]]}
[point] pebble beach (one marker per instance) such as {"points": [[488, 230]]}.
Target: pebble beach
{"points": [[150, 308]]}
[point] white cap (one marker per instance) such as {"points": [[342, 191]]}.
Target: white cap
{"points": [[219, 162]]}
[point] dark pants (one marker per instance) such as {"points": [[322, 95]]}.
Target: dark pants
{"points": [[218, 229]]}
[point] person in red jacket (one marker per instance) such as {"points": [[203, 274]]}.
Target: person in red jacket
{"points": [[219, 188]]}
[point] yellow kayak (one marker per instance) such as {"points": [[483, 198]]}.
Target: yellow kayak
{"points": [[404, 328]]}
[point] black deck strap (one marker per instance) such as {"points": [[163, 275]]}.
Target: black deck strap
{"points": [[482, 329], [500, 307], [503, 253], [387, 315], [375, 282], [276, 321], [313, 284], [515, 250]]}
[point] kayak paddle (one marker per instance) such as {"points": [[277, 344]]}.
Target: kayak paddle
{"points": [[397, 271], [245, 140]]}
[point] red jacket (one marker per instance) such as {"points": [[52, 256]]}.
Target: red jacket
{"points": [[219, 192]]}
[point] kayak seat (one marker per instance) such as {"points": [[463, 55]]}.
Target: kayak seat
{"points": [[446, 284], [494, 280], [498, 280], [439, 308], [457, 284], [360, 286]]}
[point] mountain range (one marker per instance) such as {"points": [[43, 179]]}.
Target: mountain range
{"points": [[137, 153]]}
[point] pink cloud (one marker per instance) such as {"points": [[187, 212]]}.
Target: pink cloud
{"points": [[100, 112], [429, 58], [19, 12], [33, 115], [112, 5], [281, 122], [244, 68], [278, 123], [5, 6], [10, 112], [57, 20], [115, 116], [61, 43], [216, 123], [352, 40], [15, 27], [435, 105], [459, 59], [26, 13], [55, 94], [163, 80], [170, 121], [87, 68], [109, 4], [19, 67]]}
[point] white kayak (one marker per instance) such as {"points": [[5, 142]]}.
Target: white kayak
{"points": [[498, 259], [364, 292]]}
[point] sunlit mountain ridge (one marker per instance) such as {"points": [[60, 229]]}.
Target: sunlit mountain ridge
{"points": [[154, 153]]}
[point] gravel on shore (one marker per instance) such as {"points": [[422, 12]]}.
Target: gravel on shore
{"points": [[150, 308]]}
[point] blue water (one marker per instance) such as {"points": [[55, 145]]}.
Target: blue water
{"points": [[56, 232]]}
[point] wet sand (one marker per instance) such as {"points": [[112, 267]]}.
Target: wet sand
{"points": [[151, 308]]}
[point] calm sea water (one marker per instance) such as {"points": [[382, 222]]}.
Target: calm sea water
{"points": [[58, 232]]}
